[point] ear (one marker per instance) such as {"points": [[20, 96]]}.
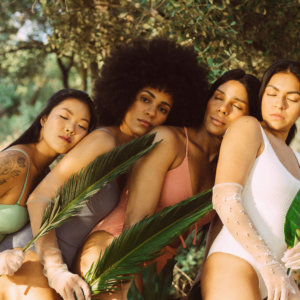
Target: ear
{"points": [[43, 120]]}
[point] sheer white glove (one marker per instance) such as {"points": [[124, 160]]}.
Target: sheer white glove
{"points": [[67, 284], [10, 261], [227, 202], [64, 282], [292, 257]]}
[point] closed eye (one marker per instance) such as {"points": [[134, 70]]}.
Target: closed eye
{"points": [[292, 100], [82, 127], [237, 107], [218, 98], [64, 118], [271, 95]]}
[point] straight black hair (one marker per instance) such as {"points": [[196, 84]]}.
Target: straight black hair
{"points": [[32, 134], [281, 66], [251, 84]]}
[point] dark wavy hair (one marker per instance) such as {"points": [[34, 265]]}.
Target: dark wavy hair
{"points": [[32, 134], [251, 84], [281, 66], [161, 64]]}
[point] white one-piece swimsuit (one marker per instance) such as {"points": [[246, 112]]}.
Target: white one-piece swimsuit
{"points": [[267, 196]]}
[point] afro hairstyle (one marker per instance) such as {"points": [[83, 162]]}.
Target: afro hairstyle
{"points": [[158, 63]]}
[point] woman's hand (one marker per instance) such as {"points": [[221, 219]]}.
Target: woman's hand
{"points": [[67, 284], [10, 261], [277, 281], [292, 257]]}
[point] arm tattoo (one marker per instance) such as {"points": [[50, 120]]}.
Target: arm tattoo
{"points": [[10, 166]]}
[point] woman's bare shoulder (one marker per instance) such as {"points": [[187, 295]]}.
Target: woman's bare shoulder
{"points": [[170, 134], [244, 128], [13, 167]]}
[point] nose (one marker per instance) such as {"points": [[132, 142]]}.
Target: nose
{"points": [[280, 102], [223, 109], [151, 112], [70, 129]]}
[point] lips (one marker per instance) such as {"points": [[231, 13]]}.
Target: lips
{"points": [[145, 123], [65, 138], [277, 116], [217, 121]]}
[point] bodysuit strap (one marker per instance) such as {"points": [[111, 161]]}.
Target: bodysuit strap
{"points": [[187, 142], [104, 129], [25, 183]]}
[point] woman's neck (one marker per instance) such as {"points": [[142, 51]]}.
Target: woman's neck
{"points": [[209, 143], [280, 134], [42, 156]]}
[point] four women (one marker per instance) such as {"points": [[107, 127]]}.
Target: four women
{"points": [[143, 85]]}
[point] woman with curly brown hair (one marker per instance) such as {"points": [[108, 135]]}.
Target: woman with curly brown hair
{"points": [[142, 85]]}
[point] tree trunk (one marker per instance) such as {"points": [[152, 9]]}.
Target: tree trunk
{"points": [[94, 72]]}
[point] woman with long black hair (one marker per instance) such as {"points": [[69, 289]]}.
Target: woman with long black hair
{"points": [[68, 116]]}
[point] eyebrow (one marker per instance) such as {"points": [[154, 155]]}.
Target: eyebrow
{"points": [[235, 98], [72, 115], [275, 88], [153, 96]]}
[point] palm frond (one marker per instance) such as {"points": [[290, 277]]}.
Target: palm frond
{"points": [[144, 241], [75, 192]]}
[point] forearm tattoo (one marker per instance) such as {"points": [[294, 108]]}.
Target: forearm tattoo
{"points": [[10, 167]]}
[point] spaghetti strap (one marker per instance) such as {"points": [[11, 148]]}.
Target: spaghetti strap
{"points": [[25, 183], [104, 129], [187, 142]]}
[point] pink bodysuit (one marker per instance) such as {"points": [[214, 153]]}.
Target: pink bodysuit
{"points": [[177, 187]]}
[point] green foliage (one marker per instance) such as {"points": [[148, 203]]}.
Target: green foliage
{"points": [[155, 287], [144, 241], [292, 223], [75, 192]]}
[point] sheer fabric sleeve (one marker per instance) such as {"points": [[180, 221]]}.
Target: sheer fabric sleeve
{"points": [[227, 201]]}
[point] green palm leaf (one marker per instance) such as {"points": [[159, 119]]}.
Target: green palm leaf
{"points": [[292, 223], [144, 241], [75, 192]]}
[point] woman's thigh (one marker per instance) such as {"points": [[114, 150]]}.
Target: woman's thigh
{"points": [[28, 283], [228, 277], [90, 251]]}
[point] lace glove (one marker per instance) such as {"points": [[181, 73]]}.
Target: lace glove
{"points": [[10, 261], [292, 257], [64, 282], [227, 202]]}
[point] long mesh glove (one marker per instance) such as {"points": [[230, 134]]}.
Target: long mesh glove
{"points": [[227, 202], [10, 261], [292, 257], [60, 279]]}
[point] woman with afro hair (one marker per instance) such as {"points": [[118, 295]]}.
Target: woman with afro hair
{"points": [[183, 164], [142, 84]]}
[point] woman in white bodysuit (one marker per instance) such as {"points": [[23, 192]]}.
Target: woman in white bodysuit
{"points": [[257, 178]]}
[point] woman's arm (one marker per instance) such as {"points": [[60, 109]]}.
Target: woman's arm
{"points": [[96, 143], [59, 278], [148, 174]]}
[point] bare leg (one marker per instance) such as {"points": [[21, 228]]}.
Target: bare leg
{"points": [[89, 253], [28, 283], [229, 277]]}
